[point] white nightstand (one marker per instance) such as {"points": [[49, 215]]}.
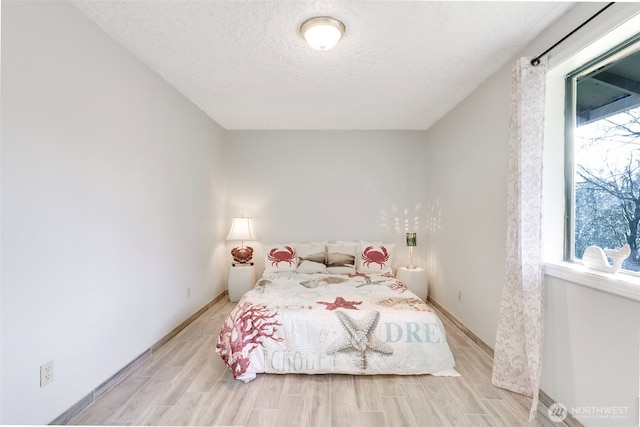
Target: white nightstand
{"points": [[415, 279], [241, 279]]}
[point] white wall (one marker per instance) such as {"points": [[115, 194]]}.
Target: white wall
{"points": [[330, 185], [591, 344], [592, 352], [113, 194], [467, 159], [113, 201]]}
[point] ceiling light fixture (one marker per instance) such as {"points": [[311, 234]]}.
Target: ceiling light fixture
{"points": [[322, 32]]}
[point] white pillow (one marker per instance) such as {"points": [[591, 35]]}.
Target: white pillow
{"points": [[374, 257], [280, 257], [311, 257], [341, 258], [347, 242]]}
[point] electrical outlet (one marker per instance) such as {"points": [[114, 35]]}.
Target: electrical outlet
{"points": [[46, 373], [459, 295]]}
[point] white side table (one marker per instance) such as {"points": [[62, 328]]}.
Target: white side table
{"points": [[241, 279], [415, 279]]}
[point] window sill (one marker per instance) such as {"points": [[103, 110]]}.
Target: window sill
{"points": [[621, 284]]}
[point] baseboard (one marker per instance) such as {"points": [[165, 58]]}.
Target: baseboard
{"points": [[95, 394], [544, 398], [473, 337], [547, 401]]}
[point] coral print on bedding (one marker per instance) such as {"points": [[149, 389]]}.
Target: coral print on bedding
{"points": [[360, 323]]}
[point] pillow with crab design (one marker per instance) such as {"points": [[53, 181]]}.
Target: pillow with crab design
{"points": [[280, 257], [374, 257]]}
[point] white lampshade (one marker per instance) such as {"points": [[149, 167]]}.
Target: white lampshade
{"points": [[322, 32], [241, 229]]}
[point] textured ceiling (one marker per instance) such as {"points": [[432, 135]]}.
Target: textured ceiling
{"points": [[400, 65]]}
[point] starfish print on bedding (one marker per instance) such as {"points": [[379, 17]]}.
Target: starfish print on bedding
{"points": [[359, 337], [367, 280], [341, 303]]}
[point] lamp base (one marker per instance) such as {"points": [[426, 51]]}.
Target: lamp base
{"points": [[411, 266], [242, 255]]}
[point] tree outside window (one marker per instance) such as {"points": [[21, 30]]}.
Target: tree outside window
{"points": [[606, 157]]}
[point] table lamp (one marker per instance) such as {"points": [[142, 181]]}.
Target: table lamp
{"points": [[241, 230], [411, 242]]}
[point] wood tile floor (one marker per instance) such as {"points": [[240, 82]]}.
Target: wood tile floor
{"points": [[186, 383]]}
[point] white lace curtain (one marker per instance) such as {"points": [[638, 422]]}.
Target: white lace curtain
{"points": [[518, 353]]}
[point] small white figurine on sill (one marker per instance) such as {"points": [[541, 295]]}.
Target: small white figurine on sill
{"points": [[595, 258]]}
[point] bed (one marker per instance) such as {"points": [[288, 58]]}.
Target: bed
{"points": [[332, 308]]}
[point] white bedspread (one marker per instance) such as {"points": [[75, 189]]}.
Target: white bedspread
{"points": [[321, 323]]}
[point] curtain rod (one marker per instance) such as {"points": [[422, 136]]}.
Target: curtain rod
{"points": [[536, 61]]}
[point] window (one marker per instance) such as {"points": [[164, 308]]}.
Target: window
{"points": [[603, 154]]}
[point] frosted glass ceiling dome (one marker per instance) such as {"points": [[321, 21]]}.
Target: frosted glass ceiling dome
{"points": [[322, 32]]}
